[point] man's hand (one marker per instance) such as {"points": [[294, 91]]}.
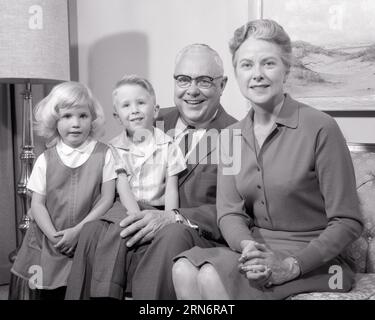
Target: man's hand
{"points": [[144, 225]]}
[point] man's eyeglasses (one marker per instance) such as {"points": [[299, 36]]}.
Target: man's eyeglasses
{"points": [[203, 82]]}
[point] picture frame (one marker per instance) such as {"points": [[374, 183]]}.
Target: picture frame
{"points": [[333, 50]]}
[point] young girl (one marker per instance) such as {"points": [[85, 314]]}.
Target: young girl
{"points": [[147, 165], [73, 182]]}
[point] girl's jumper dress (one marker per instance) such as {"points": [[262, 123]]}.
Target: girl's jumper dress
{"points": [[71, 193]]}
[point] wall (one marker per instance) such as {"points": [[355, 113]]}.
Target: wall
{"points": [[114, 37]]}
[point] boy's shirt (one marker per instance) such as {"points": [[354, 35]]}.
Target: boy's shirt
{"points": [[149, 165]]}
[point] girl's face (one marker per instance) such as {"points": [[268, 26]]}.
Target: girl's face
{"points": [[74, 125], [260, 72], [135, 108]]}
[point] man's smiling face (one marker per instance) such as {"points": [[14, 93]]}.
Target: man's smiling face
{"points": [[197, 105]]}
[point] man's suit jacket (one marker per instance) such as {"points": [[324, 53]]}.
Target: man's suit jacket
{"points": [[197, 184]]}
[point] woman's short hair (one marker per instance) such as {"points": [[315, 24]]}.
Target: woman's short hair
{"points": [[133, 79], [263, 29], [64, 96]]}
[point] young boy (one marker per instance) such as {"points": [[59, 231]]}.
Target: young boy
{"points": [[147, 160], [147, 164]]}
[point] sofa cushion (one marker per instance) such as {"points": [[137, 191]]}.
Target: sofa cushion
{"points": [[357, 254], [361, 251], [364, 289], [371, 257]]}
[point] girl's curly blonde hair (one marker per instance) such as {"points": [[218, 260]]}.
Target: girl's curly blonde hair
{"points": [[66, 95]]}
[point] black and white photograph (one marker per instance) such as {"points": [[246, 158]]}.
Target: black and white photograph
{"points": [[187, 157]]}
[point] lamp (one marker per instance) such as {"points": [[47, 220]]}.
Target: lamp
{"points": [[34, 49]]}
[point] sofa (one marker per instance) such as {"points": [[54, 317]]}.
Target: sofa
{"points": [[362, 251]]}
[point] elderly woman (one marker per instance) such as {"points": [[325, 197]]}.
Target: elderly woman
{"points": [[292, 209]]}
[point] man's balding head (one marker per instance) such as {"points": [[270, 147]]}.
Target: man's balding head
{"points": [[201, 49]]}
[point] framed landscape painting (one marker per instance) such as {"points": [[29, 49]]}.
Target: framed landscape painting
{"points": [[333, 49]]}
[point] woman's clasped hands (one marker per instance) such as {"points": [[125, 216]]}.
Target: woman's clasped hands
{"points": [[262, 266]]}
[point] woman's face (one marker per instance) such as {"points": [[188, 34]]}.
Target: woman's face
{"points": [[260, 72]]}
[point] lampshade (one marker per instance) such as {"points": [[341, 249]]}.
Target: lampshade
{"points": [[34, 41]]}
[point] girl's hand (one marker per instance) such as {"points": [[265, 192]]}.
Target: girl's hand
{"points": [[55, 239], [68, 241]]}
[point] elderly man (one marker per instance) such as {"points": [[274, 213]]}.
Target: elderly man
{"points": [[152, 238]]}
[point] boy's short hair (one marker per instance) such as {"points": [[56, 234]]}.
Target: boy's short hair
{"points": [[133, 79], [66, 95]]}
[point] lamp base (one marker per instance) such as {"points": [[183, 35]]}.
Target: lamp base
{"points": [[18, 288], [27, 157]]}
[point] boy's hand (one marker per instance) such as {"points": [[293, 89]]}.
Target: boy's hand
{"points": [[68, 241]]}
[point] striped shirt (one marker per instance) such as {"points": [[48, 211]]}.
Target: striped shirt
{"points": [[149, 165]]}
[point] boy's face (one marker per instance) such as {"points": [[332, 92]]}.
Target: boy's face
{"points": [[135, 108]]}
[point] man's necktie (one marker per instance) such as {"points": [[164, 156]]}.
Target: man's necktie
{"points": [[187, 139]]}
